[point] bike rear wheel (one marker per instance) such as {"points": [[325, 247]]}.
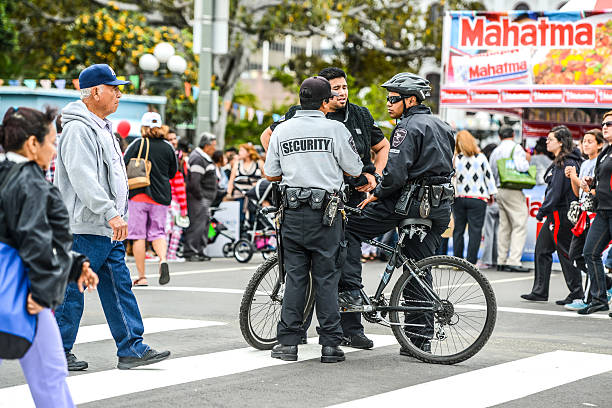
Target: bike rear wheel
{"points": [[261, 305], [463, 325]]}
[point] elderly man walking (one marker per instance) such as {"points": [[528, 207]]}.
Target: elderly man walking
{"points": [[92, 179]]}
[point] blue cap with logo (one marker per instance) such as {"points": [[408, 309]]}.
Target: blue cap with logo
{"points": [[99, 74]]}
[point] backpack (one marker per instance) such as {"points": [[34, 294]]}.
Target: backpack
{"points": [[17, 326]]}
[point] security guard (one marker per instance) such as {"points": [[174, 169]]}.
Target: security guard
{"points": [[421, 153], [308, 155], [368, 138]]}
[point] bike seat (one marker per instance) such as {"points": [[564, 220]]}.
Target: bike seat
{"points": [[408, 222]]}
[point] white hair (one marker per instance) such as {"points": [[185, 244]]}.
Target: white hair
{"points": [[86, 92]]}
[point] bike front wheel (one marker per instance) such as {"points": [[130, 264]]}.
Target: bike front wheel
{"points": [[262, 302], [465, 317]]}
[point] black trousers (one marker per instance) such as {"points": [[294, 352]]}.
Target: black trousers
{"points": [[598, 238], [376, 220], [556, 235], [309, 246], [470, 211], [196, 234]]}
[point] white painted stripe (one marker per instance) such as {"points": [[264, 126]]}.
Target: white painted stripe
{"points": [[189, 289], [495, 385], [201, 271], [113, 383], [97, 332], [536, 312]]}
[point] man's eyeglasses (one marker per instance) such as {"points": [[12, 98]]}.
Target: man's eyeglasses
{"points": [[609, 124], [394, 99]]}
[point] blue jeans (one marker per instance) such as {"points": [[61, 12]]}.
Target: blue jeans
{"points": [[115, 290], [597, 240]]}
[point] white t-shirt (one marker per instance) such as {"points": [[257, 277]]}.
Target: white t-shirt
{"points": [[587, 169]]}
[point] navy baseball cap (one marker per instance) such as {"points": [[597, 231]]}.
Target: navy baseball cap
{"points": [[316, 88], [99, 74]]}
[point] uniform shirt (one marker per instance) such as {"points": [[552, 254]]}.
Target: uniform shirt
{"points": [[357, 119], [310, 151], [421, 146], [503, 151], [121, 185]]}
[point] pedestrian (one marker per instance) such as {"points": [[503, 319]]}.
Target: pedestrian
{"points": [[308, 155], [542, 159], [421, 153], [369, 140], [592, 143], [35, 234], [50, 174], [491, 224], [475, 187], [177, 211], [600, 232], [148, 206], [91, 177], [246, 171], [201, 192], [556, 234], [513, 213]]}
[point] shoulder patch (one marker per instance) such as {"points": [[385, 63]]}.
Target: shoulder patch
{"points": [[399, 136]]}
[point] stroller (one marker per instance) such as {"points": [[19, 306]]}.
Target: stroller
{"points": [[257, 230]]}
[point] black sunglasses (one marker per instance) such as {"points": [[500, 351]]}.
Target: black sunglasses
{"points": [[609, 124], [394, 99]]}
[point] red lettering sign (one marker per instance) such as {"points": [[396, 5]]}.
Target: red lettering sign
{"points": [[484, 95], [516, 95], [580, 95], [605, 96], [454, 96], [547, 95]]}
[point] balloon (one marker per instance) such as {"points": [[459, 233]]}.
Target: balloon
{"points": [[123, 128]]}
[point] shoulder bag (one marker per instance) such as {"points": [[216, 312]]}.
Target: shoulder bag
{"points": [[138, 169], [511, 178]]}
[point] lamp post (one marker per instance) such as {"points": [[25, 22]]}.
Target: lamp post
{"points": [[164, 61]]}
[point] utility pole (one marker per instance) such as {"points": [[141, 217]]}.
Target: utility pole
{"points": [[210, 36]]}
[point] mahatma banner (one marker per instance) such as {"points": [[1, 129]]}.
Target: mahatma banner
{"points": [[521, 59]]}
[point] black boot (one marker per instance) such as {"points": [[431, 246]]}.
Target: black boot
{"points": [[285, 353], [359, 341], [331, 354], [74, 364]]}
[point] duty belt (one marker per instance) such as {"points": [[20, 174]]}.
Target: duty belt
{"points": [[297, 197], [429, 196]]}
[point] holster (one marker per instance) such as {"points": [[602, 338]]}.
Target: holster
{"points": [[296, 197]]}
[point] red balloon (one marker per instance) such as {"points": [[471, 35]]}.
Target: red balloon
{"points": [[123, 128]]}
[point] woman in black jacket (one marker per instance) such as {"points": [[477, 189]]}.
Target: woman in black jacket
{"points": [[556, 234], [34, 232]]}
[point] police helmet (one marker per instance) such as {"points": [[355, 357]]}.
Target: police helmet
{"points": [[408, 84]]}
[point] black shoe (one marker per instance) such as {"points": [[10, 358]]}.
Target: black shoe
{"points": [[347, 301], [565, 301], [285, 353], [424, 345], [74, 364], [534, 298], [204, 258], [358, 341], [501, 267], [164, 273], [331, 354], [193, 258], [514, 268], [594, 307], [150, 357]]}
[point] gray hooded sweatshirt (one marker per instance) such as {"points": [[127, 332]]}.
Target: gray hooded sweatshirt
{"points": [[84, 172]]}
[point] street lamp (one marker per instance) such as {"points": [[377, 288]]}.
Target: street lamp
{"points": [[164, 60]]}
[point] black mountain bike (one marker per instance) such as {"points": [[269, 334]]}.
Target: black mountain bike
{"points": [[441, 299]]}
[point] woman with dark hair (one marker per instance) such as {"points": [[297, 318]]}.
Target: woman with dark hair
{"points": [[600, 232], [35, 234], [556, 234], [148, 206]]}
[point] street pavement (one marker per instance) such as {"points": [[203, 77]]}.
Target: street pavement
{"points": [[538, 356]]}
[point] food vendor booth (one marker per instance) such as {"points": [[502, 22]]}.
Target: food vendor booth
{"points": [[544, 68]]}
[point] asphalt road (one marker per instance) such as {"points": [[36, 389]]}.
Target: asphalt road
{"points": [[538, 356]]}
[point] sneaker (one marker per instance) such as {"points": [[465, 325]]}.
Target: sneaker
{"points": [[576, 305], [74, 364], [150, 357], [358, 341]]}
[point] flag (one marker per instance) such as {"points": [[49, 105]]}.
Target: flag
{"points": [[60, 83], [45, 83], [275, 117], [250, 114], [187, 89], [30, 83], [242, 110], [135, 80], [227, 105], [1, 82], [260, 116], [196, 92], [75, 83], [14, 82]]}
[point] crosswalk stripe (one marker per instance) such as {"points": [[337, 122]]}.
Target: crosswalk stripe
{"points": [[495, 385], [202, 271], [190, 289], [113, 383], [97, 332], [535, 311]]}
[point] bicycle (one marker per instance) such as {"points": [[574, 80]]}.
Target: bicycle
{"points": [[447, 290]]}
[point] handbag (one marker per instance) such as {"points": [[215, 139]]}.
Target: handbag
{"points": [[17, 326], [138, 170], [511, 178]]}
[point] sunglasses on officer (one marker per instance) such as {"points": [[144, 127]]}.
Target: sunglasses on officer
{"points": [[394, 99]]}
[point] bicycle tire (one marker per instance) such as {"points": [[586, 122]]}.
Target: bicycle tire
{"points": [[442, 320], [256, 335]]}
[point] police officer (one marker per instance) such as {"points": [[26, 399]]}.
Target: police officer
{"points": [[421, 153], [308, 155], [368, 138]]}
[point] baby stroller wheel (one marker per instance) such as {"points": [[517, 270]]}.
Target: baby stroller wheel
{"points": [[228, 249], [243, 251]]}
